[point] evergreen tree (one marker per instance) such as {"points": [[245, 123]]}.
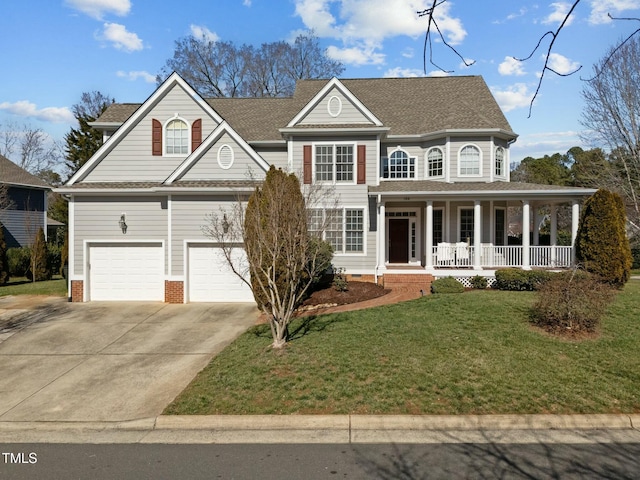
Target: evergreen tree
{"points": [[602, 246], [81, 143], [4, 263], [40, 267]]}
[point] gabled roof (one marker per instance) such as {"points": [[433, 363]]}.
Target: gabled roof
{"points": [[407, 106], [12, 174]]}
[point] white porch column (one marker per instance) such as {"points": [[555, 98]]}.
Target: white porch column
{"points": [[477, 234], [536, 224], [382, 243], [553, 241], [526, 220], [575, 220], [429, 235]]}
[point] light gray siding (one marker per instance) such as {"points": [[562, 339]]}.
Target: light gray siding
{"points": [[96, 218], [484, 144], [277, 157], [131, 160], [188, 216], [211, 166], [20, 227], [347, 113]]}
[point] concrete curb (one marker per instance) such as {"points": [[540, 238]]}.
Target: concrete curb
{"points": [[340, 429]]}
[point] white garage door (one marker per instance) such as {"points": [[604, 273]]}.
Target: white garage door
{"points": [[211, 278], [126, 272]]}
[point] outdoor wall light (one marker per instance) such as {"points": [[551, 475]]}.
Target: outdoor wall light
{"points": [[123, 223], [225, 224]]}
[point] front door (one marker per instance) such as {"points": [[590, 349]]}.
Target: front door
{"points": [[398, 240]]}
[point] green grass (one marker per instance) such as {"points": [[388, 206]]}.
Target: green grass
{"points": [[22, 286], [471, 353]]}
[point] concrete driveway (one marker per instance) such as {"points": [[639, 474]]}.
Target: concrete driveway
{"points": [[106, 361]]}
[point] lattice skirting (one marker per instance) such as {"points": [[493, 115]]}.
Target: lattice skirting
{"points": [[466, 281]]}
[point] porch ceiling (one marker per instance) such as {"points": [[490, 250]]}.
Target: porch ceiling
{"points": [[501, 190]]}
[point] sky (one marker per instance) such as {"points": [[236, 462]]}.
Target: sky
{"points": [[53, 50]]}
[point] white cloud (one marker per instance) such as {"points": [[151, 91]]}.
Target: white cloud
{"points": [[246, 3], [560, 10], [120, 38], [199, 31], [98, 8], [437, 73], [356, 55], [511, 66], [135, 75], [400, 72], [600, 9], [537, 145], [371, 22], [514, 96], [24, 108], [562, 64]]}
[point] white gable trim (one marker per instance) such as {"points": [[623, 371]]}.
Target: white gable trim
{"points": [[173, 80], [205, 146], [337, 84]]}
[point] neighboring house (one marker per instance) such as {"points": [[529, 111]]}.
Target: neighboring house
{"points": [[421, 166], [27, 211]]}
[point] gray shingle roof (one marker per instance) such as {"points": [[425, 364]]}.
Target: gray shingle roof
{"points": [[12, 174], [219, 184], [409, 106], [462, 187]]}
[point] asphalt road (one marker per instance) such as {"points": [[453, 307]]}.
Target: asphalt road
{"points": [[446, 461]]}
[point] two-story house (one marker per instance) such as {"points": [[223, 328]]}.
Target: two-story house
{"points": [[420, 166]]}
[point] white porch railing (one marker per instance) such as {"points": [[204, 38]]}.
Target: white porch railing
{"points": [[451, 255]]}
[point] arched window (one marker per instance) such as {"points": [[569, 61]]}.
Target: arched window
{"points": [[469, 161], [499, 172], [435, 162], [176, 135], [399, 165]]}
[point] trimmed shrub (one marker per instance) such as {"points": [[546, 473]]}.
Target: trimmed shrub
{"points": [[521, 280], [446, 285], [571, 303], [4, 262], [479, 282], [602, 246], [340, 282], [19, 260]]}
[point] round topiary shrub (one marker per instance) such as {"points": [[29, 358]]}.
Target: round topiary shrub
{"points": [[479, 282], [446, 285]]}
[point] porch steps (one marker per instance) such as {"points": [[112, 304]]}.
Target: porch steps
{"points": [[408, 281]]}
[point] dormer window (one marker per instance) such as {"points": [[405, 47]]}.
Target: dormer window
{"points": [[470, 161], [399, 165], [176, 136]]}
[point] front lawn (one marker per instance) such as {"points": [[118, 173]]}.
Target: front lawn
{"points": [[470, 353], [22, 286]]}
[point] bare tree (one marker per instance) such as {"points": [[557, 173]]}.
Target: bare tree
{"points": [[5, 200], [30, 148], [552, 35], [222, 69], [282, 236], [611, 116]]}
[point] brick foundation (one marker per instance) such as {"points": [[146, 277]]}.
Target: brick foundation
{"points": [[361, 278], [77, 290], [410, 281], [173, 291]]}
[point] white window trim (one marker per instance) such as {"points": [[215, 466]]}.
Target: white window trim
{"points": [[506, 226], [365, 216], [444, 225], [164, 137], [386, 158], [334, 181], [418, 220], [469, 175], [426, 162]]}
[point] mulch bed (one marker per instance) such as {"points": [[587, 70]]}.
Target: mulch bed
{"points": [[357, 292]]}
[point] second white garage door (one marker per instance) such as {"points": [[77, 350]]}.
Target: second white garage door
{"points": [[131, 271], [211, 278]]}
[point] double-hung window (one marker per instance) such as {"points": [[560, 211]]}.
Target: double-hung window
{"points": [[343, 228], [399, 165], [469, 161], [435, 163], [499, 171], [177, 137], [334, 163]]}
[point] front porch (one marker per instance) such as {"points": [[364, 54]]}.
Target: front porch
{"points": [[464, 230]]}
